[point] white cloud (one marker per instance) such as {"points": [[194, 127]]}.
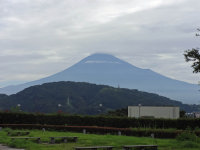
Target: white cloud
{"points": [[149, 34]]}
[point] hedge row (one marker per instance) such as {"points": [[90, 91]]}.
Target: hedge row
{"points": [[100, 130], [103, 121]]}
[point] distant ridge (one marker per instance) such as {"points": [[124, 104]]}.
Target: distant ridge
{"points": [[82, 98], [109, 70]]}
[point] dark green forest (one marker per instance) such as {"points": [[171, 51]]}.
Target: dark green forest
{"points": [[82, 98]]}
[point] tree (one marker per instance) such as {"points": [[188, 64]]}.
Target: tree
{"points": [[194, 56], [118, 112], [182, 113]]}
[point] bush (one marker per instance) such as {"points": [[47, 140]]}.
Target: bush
{"points": [[187, 135], [18, 143], [189, 144], [158, 133], [103, 121], [7, 129]]}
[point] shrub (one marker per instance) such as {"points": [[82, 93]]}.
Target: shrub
{"points": [[103, 121], [18, 143], [187, 135], [158, 133], [7, 129], [189, 144]]}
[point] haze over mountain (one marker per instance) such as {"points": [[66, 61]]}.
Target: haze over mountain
{"points": [[109, 70]]}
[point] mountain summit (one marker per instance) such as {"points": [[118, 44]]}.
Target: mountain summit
{"points": [[109, 70]]}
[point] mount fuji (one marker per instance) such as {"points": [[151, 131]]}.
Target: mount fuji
{"points": [[109, 70]]}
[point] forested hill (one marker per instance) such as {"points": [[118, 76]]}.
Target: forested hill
{"points": [[81, 98]]}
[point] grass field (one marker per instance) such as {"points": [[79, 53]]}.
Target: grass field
{"points": [[92, 140]]}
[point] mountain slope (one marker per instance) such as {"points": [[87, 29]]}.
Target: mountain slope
{"points": [[109, 70], [81, 98]]}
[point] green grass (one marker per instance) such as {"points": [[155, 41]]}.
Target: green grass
{"points": [[93, 140]]}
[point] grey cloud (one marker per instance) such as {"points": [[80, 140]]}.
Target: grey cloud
{"points": [[60, 33]]}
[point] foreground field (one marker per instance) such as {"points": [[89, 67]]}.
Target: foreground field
{"points": [[91, 140]]}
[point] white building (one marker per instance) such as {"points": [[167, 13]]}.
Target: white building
{"points": [[170, 112], [193, 115], [197, 114]]}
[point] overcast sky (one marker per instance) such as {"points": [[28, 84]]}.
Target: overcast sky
{"points": [[41, 37]]}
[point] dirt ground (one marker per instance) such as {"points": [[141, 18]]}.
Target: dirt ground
{"points": [[2, 147]]}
